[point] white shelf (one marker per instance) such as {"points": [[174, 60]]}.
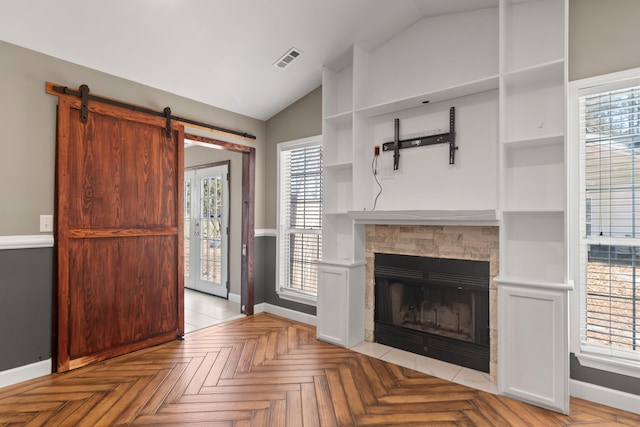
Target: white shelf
{"points": [[337, 235], [340, 119], [534, 178], [534, 211], [446, 94], [337, 91], [338, 187], [516, 2], [533, 283], [535, 141], [548, 212], [342, 262], [337, 134], [548, 71], [535, 109], [534, 32], [533, 245], [338, 166], [457, 217], [336, 213]]}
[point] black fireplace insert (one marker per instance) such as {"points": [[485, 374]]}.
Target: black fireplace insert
{"points": [[437, 307]]}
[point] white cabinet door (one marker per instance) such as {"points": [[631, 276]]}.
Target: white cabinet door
{"points": [[340, 316], [533, 346], [332, 304]]}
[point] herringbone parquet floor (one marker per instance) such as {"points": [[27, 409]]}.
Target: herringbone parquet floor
{"points": [[268, 371]]}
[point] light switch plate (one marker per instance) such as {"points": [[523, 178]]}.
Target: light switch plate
{"points": [[46, 223]]}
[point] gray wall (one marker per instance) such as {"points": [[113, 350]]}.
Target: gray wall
{"points": [[200, 155], [264, 264], [27, 165], [300, 120], [603, 378], [604, 36], [25, 306], [265, 282], [28, 117]]}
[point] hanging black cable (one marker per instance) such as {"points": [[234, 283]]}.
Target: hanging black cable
{"points": [[86, 96], [374, 169]]}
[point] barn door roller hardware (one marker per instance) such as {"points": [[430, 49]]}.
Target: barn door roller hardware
{"points": [[84, 109], [167, 115], [83, 94], [421, 141]]}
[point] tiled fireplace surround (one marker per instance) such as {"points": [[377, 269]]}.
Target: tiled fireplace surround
{"points": [[478, 243]]}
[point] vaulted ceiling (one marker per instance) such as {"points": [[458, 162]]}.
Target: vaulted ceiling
{"points": [[219, 52]]}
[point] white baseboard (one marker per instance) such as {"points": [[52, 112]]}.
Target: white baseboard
{"points": [[298, 316], [234, 298], [605, 396], [24, 373]]}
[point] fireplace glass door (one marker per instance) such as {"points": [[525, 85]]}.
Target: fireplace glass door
{"points": [[434, 306]]}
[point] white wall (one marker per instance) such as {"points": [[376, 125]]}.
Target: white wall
{"points": [[435, 53], [425, 180]]}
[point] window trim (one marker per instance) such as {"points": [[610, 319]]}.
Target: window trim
{"points": [[283, 291], [589, 356]]}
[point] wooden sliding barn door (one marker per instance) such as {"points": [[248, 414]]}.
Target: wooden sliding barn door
{"points": [[119, 232]]}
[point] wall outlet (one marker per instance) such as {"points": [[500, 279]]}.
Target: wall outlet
{"points": [[46, 223], [387, 167]]}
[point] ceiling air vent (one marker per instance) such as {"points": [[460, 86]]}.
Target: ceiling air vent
{"points": [[287, 58]]}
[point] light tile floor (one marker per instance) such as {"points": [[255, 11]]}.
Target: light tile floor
{"points": [[437, 368], [202, 310]]}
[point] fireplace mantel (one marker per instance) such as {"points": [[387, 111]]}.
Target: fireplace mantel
{"points": [[426, 217]]}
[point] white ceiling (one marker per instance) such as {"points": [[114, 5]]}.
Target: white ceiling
{"points": [[219, 52]]}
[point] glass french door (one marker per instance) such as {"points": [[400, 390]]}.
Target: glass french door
{"points": [[206, 230]]}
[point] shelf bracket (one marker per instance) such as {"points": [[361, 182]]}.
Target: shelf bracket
{"points": [[421, 141]]}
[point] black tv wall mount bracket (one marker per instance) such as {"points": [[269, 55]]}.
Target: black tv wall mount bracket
{"points": [[421, 141]]}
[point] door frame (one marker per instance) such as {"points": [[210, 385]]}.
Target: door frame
{"points": [[227, 164], [248, 215]]}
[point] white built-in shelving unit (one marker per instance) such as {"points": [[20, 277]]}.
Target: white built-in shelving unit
{"points": [[533, 282], [504, 69]]}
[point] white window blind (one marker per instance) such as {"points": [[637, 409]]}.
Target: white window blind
{"points": [[610, 224], [300, 222]]}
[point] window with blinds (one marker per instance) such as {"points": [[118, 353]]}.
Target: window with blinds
{"points": [[300, 217], [610, 223]]}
